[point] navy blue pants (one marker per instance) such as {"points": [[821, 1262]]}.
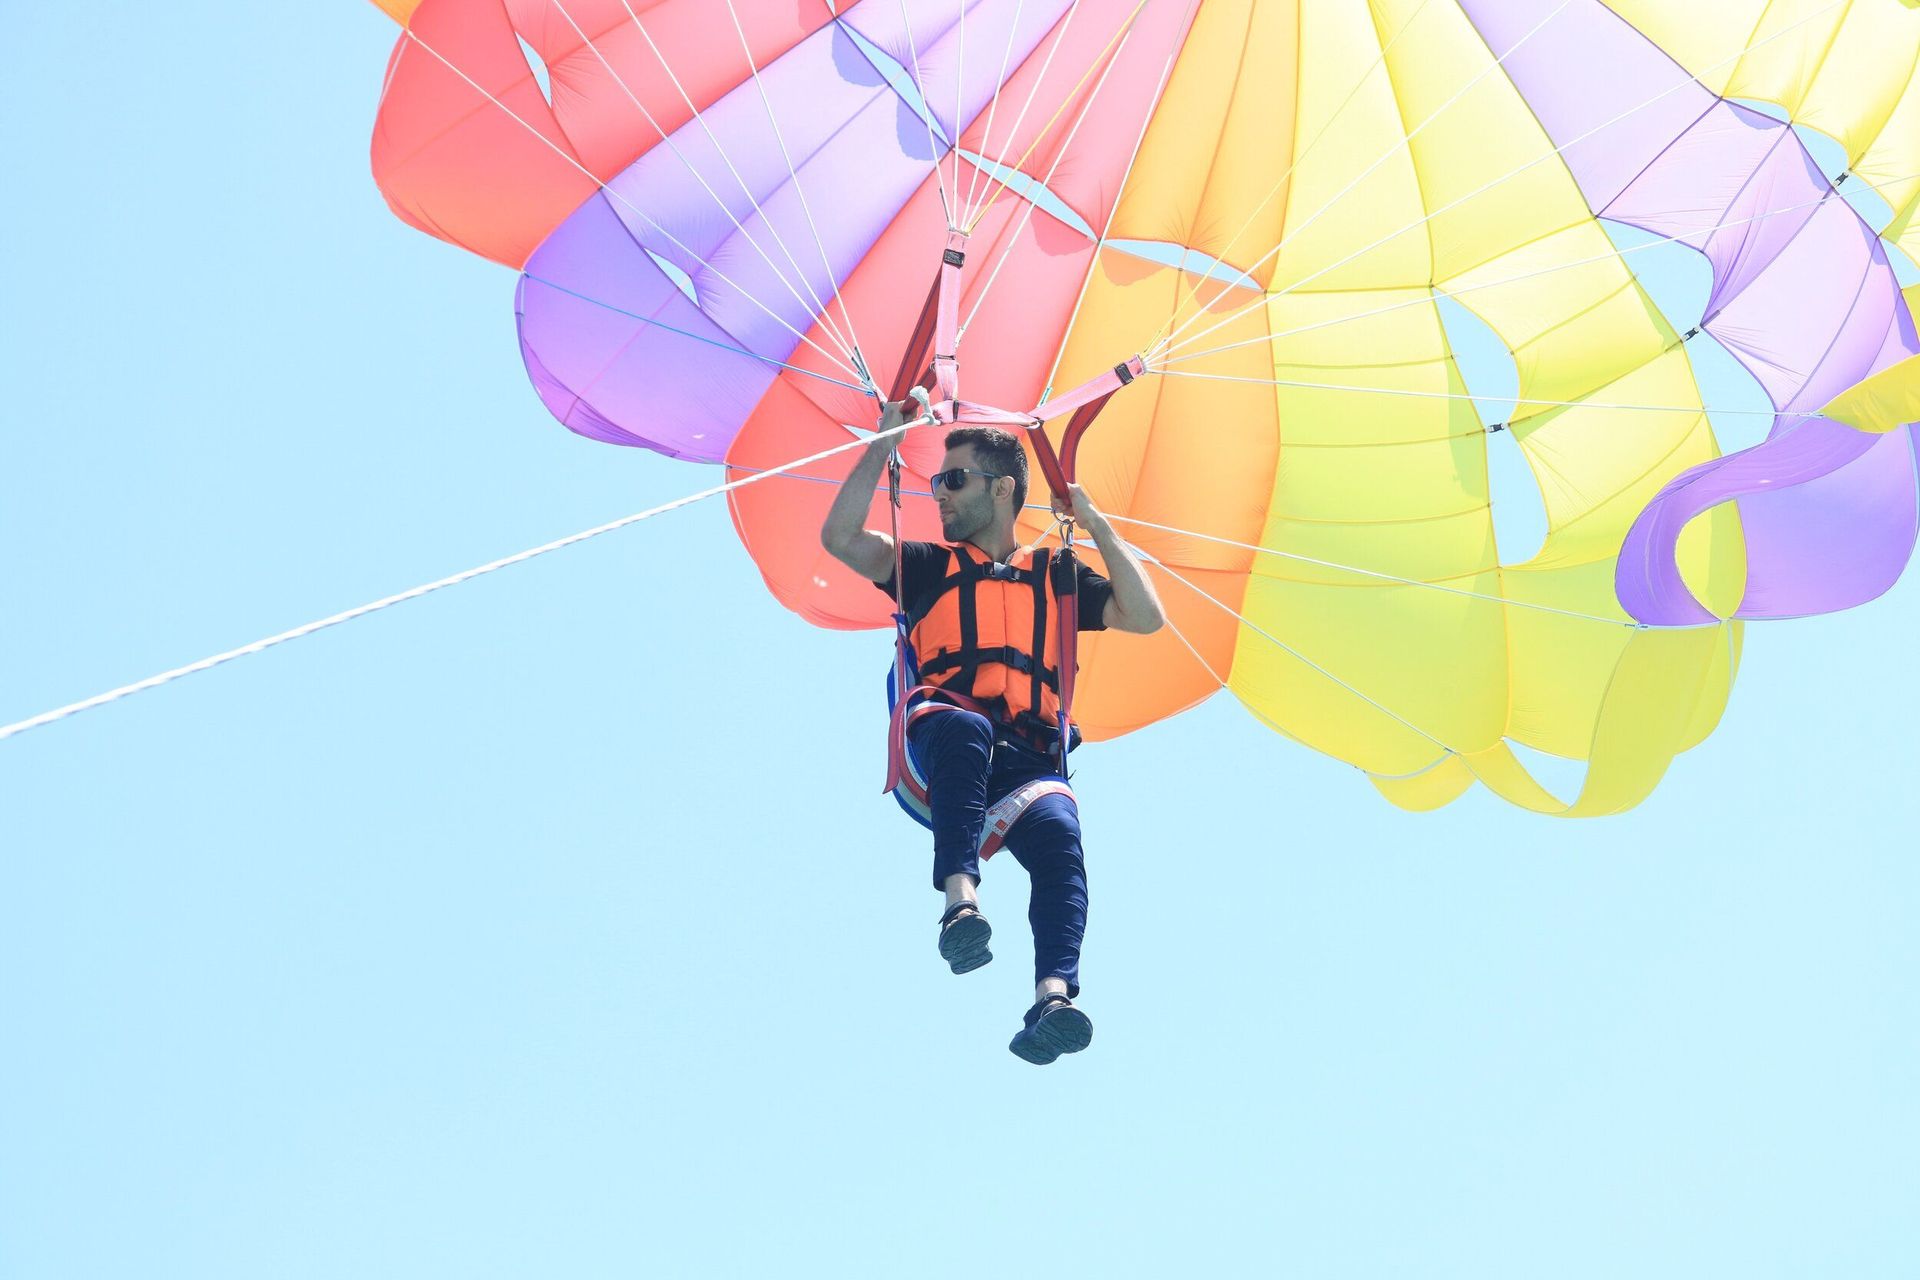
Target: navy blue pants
{"points": [[965, 773]]}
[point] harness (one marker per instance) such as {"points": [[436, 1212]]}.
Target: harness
{"points": [[1041, 719]]}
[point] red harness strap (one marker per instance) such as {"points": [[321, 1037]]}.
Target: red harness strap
{"points": [[930, 357]]}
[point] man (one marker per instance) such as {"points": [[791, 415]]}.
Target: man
{"points": [[971, 761]]}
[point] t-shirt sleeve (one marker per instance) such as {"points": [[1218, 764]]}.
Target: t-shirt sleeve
{"points": [[1095, 591], [923, 564]]}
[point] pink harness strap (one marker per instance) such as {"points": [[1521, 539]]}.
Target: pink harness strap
{"points": [[946, 341], [934, 342]]}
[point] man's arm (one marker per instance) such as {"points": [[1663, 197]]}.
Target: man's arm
{"points": [[845, 535], [1134, 606]]}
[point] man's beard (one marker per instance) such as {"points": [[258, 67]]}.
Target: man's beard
{"points": [[958, 527]]}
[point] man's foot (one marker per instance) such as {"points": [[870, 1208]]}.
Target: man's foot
{"points": [[964, 934], [1053, 1027]]}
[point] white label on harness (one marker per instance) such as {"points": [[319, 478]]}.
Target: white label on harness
{"points": [[1004, 812]]}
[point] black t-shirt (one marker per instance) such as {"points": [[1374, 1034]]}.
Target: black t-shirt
{"points": [[924, 564]]}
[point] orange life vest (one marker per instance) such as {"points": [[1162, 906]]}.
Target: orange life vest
{"points": [[990, 631]]}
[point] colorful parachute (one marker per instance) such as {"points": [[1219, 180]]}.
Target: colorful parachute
{"points": [[727, 215]]}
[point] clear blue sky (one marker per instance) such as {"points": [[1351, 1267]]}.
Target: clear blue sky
{"points": [[554, 925]]}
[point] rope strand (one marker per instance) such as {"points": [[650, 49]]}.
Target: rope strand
{"points": [[387, 602]]}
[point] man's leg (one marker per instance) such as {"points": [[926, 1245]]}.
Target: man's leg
{"points": [[954, 748], [1046, 840], [955, 751]]}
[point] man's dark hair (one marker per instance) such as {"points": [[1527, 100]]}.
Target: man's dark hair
{"points": [[997, 451]]}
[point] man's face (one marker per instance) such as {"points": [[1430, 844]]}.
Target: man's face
{"points": [[969, 512]]}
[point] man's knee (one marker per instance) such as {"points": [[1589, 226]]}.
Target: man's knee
{"points": [[1048, 839]]}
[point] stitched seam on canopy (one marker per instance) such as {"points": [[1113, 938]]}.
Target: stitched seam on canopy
{"points": [[1820, 64], [1839, 332], [818, 307], [1706, 321], [1400, 114], [1626, 485], [1168, 346], [993, 108], [1226, 117], [1382, 521], [637, 244], [604, 187]]}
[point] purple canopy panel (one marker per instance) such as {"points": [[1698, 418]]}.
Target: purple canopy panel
{"points": [[1599, 88], [762, 253], [1803, 297], [925, 37], [597, 329]]}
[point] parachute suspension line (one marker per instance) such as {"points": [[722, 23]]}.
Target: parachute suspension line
{"points": [[754, 476], [806, 210], [1169, 344], [1181, 636], [615, 194], [1026, 216], [847, 341], [1120, 37], [974, 215], [1626, 623], [993, 106], [926, 117], [1093, 259], [1291, 167], [1456, 294], [817, 306], [1278, 643], [1385, 156], [724, 346], [959, 88], [1396, 579], [1454, 395]]}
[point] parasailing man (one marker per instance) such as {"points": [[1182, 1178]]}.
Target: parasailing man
{"points": [[974, 606]]}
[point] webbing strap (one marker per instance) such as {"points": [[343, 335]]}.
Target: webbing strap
{"points": [[1084, 402], [909, 707], [1092, 389], [1010, 808], [933, 346], [1067, 598], [969, 632], [946, 342], [919, 353], [1039, 650], [971, 571], [1005, 656]]}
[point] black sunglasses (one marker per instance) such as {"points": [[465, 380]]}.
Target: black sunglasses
{"points": [[956, 478]]}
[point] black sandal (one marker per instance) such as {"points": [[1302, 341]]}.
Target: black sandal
{"points": [[1053, 1027], [964, 934]]}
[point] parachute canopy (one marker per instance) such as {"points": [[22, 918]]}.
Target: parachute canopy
{"points": [[1289, 213]]}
